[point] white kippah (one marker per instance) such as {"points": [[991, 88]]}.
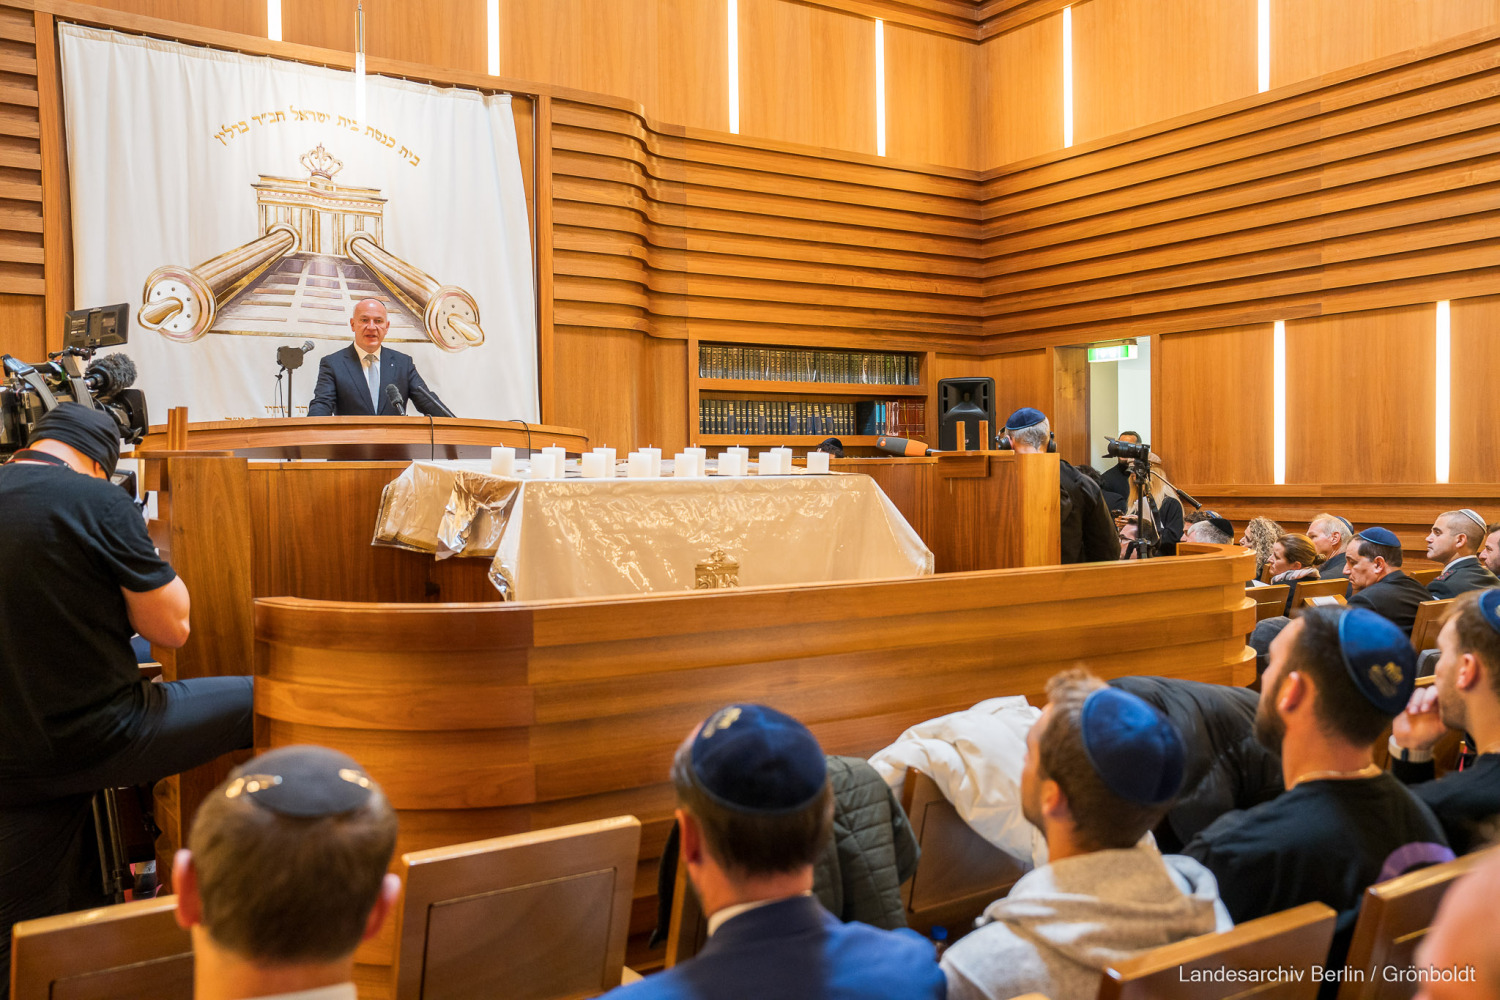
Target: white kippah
{"points": [[1473, 515]]}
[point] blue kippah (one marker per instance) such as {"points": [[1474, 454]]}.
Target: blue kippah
{"points": [[1222, 524], [1489, 606], [1379, 659], [1135, 750], [1379, 536], [751, 758], [1025, 417], [302, 781]]}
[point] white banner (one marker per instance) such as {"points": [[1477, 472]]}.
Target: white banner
{"points": [[238, 205]]}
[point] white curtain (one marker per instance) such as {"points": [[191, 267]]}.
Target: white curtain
{"points": [[164, 144]]}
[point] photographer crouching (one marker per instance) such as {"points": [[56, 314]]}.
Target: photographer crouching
{"points": [[78, 576]]}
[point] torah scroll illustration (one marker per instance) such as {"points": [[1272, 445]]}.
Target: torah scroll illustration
{"points": [[318, 254]]}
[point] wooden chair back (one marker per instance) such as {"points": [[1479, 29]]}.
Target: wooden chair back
{"points": [[1394, 916], [533, 916], [960, 873], [1297, 938], [132, 951], [1429, 622], [687, 928], [1307, 590], [1270, 602], [1425, 576]]}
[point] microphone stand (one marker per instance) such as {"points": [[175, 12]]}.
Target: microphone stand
{"points": [[287, 409]]}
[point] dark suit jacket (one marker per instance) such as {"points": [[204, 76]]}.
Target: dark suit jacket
{"points": [[794, 949], [1088, 530], [1116, 484], [1334, 567], [1460, 578], [1396, 597], [343, 391]]}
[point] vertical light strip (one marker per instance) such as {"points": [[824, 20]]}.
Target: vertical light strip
{"points": [[879, 87], [1067, 15], [359, 63], [492, 24], [734, 65], [1263, 45], [1444, 403], [1278, 403], [273, 20]]}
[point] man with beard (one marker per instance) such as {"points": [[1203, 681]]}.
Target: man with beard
{"points": [[1465, 696], [1337, 676], [1102, 768]]}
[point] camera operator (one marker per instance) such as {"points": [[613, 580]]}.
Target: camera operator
{"points": [[81, 575], [1088, 531], [1116, 479]]}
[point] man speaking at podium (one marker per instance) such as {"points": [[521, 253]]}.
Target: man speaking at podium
{"points": [[360, 380]]}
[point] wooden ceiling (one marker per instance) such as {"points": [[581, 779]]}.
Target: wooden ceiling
{"points": [[975, 20]]}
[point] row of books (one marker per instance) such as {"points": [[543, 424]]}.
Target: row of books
{"points": [[788, 364], [750, 416], [897, 418]]}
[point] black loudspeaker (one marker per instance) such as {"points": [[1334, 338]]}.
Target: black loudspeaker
{"points": [[966, 400]]}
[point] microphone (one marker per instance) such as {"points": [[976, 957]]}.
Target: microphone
{"points": [[290, 358], [901, 446], [109, 374], [393, 397], [1187, 498], [428, 401]]}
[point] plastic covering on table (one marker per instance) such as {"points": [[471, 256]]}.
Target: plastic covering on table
{"points": [[566, 538]]}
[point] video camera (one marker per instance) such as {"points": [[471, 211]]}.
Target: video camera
{"points": [[1128, 450], [29, 391]]}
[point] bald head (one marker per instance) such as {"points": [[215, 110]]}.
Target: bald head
{"points": [[370, 324]]}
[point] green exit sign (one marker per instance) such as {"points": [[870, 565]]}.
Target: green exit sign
{"points": [[1116, 352]]}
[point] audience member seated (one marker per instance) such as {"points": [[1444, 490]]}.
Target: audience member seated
{"points": [[1464, 935], [1227, 767], [1330, 534], [1130, 530], [1209, 529], [1293, 558], [1337, 677], [1464, 696], [1102, 768], [1372, 564], [754, 808], [1260, 535], [1490, 554], [285, 875], [1454, 541], [1116, 479]]}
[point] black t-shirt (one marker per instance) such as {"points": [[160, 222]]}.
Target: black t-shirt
{"points": [[1465, 802], [69, 683], [1324, 842]]}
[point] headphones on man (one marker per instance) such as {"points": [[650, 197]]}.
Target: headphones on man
{"points": [[1002, 441]]}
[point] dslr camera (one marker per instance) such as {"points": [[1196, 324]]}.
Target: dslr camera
{"points": [[1127, 450]]}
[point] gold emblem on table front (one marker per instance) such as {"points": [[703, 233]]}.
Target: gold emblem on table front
{"points": [[717, 572]]}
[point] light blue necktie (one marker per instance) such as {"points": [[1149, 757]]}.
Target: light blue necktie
{"points": [[372, 374]]}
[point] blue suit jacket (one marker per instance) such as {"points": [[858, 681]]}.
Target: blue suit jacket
{"points": [[796, 950], [343, 391]]}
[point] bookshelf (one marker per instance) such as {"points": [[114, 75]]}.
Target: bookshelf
{"points": [[755, 394]]}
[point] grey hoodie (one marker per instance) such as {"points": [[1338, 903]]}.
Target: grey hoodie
{"points": [[1064, 923]]}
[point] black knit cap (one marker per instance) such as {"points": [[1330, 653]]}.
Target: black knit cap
{"points": [[93, 432]]}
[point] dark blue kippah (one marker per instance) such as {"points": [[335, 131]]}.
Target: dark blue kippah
{"points": [[1379, 536], [1489, 606], [1379, 659], [303, 781], [1023, 418], [1222, 524], [1135, 750], [751, 758]]}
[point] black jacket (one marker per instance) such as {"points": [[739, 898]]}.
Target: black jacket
{"points": [[1334, 567], [1227, 768], [1396, 597], [1116, 480], [1470, 574], [1088, 529], [343, 391]]}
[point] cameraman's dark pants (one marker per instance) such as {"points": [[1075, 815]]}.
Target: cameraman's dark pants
{"points": [[48, 856]]}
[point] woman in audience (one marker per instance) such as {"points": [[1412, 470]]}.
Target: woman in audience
{"points": [[1261, 534], [1293, 558]]}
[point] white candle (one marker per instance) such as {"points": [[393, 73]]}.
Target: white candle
{"points": [[817, 462], [682, 466], [591, 465], [503, 462], [768, 464], [783, 461], [608, 455], [729, 464], [699, 458], [638, 466], [653, 455], [541, 465]]}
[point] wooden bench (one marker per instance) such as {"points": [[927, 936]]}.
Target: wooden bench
{"points": [[1425, 576], [131, 951], [960, 873], [1270, 602], [1310, 593], [1394, 916], [1295, 939], [1429, 622], [533, 916]]}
